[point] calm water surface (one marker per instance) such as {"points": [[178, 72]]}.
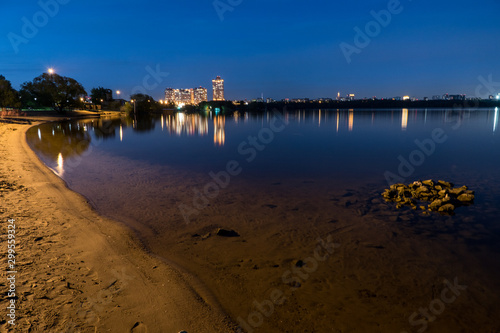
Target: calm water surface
{"points": [[289, 168], [330, 145]]}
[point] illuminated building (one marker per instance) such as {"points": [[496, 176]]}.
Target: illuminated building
{"points": [[200, 95], [218, 89], [186, 96], [406, 98], [169, 95], [183, 96], [350, 97]]}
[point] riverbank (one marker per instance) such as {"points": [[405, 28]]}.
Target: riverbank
{"points": [[77, 271]]}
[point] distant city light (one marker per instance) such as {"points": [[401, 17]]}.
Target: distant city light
{"points": [[51, 70], [405, 98]]}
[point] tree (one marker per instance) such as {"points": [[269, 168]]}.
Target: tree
{"points": [[100, 95], [9, 97], [54, 91], [144, 103]]}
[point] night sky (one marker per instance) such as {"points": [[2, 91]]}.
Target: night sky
{"points": [[283, 49]]}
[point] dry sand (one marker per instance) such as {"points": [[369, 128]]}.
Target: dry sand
{"points": [[80, 272], [387, 265]]}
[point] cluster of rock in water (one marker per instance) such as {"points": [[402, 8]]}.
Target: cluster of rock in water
{"points": [[441, 196]]}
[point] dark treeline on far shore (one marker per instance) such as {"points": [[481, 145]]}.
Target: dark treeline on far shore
{"points": [[228, 106]]}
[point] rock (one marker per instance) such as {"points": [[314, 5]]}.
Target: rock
{"points": [[227, 233], [299, 263], [443, 197], [448, 208], [435, 204], [445, 184], [428, 182], [456, 191], [466, 197]]}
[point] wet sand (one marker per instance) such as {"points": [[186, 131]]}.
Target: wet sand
{"points": [[78, 271]]}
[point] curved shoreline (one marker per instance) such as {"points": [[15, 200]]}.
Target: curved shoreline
{"points": [[123, 275]]}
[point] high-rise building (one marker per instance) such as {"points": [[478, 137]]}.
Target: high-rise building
{"points": [[200, 94], [218, 89], [169, 95], [183, 96], [186, 96]]}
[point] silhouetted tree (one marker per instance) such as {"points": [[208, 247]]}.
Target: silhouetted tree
{"points": [[144, 103], [9, 97], [54, 91], [100, 95]]}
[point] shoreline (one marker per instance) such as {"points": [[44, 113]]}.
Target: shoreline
{"points": [[79, 271]]}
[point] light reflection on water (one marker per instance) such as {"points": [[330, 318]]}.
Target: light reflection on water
{"points": [[326, 145]]}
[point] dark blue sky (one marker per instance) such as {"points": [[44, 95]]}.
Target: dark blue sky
{"points": [[284, 49]]}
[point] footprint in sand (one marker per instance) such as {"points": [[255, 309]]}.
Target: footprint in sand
{"points": [[139, 328]]}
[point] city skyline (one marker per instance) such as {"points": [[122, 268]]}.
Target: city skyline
{"points": [[314, 50]]}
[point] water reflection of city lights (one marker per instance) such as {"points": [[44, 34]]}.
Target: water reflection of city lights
{"points": [[404, 119], [60, 165], [190, 124], [351, 120], [338, 121], [495, 120], [219, 131], [121, 133], [40, 134]]}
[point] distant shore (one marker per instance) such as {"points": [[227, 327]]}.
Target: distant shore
{"points": [[380, 104]]}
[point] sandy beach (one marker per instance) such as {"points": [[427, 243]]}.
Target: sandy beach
{"points": [[80, 272], [307, 259]]}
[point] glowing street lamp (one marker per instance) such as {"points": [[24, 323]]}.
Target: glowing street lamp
{"points": [[118, 92], [133, 101]]}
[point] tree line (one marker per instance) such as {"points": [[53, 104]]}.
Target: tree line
{"points": [[61, 93]]}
